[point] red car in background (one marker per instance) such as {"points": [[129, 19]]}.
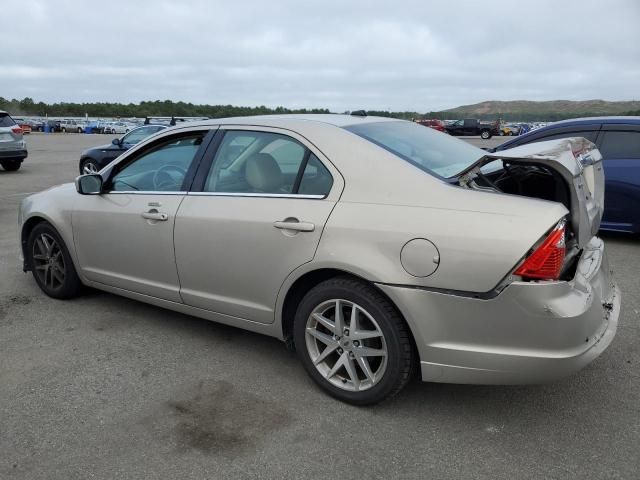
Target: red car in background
{"points": [[26, 128], [435, 124]]}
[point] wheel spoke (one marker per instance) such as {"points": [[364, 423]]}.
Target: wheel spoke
{"points": [[58, 276], [48, 246], [364, 334], [42, 267], [353, 321], [339, 322], [365, 367], [369, 352], [324, 321], [325, 353], [323, 337], [39, 256], [41, 247], [351, 371], [336, 366]]}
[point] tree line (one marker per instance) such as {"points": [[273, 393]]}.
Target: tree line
{"points": [[28, 107]]}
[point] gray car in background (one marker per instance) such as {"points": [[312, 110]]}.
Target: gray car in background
{"points": [[13, 148], [377, 247]]}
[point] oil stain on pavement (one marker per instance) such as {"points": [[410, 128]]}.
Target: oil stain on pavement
{"points": [[221, 419]]}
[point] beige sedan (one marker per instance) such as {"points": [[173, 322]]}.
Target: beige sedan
{"points": [[377, 248]]}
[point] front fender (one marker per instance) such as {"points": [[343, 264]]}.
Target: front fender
{"points": [[54, 206]]}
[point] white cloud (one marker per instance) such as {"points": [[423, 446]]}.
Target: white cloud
{"points": [[413, 55]]}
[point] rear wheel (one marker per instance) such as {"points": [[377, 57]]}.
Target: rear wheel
{"points": [[11, 165], [353, 342], [63, 130], [51, 263], [485, 134], [79, 130]]}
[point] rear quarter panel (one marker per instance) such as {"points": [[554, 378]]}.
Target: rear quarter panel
{"points": [[480, 238]]}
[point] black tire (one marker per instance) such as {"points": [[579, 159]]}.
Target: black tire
{"points": [[79, 130], [11, 165], [63, 130], [400, 356], [70, 285], [485, 134]]}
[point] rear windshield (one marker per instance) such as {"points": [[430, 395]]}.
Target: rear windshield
{"points": [[429, 150], [6, 121]]}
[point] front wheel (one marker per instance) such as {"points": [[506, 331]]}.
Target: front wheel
{"points": [[51, 263], [89, 166], [11, 165], [353, 342]]}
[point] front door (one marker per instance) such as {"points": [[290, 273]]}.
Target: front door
{"points": [[124, 237], [258, 216]]}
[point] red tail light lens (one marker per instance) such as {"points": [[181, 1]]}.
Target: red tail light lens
{"points": [[545, 263], [17, 130]]}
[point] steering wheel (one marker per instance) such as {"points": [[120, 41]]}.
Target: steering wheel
{"points": [[168, 177]]}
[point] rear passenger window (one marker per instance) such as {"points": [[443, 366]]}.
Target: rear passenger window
{"points": [[266, 163], [316, 179], [620, 145]]}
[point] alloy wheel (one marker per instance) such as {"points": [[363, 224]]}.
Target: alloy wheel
{"points": [[48, 261], [89, 168], [346, 345]]}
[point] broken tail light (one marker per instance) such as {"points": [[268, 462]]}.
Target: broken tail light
{"points": [[546, 261]]}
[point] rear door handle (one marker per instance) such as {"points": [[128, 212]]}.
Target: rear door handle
{"points": [[295, 225], [155, 215]]}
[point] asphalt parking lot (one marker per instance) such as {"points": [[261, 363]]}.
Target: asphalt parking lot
{"points": [[105, 387]]}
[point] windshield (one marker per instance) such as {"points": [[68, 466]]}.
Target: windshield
{"points": [[426, 148]]}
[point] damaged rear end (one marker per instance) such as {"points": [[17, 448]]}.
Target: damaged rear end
{"points": [[558, 308], [567, 171]]}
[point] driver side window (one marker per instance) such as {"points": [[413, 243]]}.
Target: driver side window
{"points": [[162, 168]]}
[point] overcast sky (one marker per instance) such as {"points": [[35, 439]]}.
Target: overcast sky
{"points": [[402, 55]]}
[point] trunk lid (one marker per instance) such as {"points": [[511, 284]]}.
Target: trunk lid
{"points": [[577, 160]]}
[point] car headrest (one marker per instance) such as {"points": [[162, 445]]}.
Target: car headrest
{"points": [[263, 173]]}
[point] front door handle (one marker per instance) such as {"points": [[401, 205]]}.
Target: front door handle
{"points": [[294, 224], [155, 215]]}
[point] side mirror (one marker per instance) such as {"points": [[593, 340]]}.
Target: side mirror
{"points": [[89, 184], [116, 142]]}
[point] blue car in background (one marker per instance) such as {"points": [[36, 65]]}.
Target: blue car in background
{"points": [[618, 139]]}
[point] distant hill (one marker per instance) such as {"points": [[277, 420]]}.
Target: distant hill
{"points": [[550, 110]]}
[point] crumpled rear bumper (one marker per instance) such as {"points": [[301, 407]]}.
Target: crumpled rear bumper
{"points": [[532, 332]]}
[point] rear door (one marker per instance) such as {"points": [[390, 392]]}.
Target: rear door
{"points": [[471, 127], [255, 215], [620, 148]]}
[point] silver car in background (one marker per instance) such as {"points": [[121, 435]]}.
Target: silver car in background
{"points": [[376, 247], [13, 148]]}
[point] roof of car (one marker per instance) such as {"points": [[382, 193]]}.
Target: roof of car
{"points": [[339, 120], [572, 122], [588, 120]]}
